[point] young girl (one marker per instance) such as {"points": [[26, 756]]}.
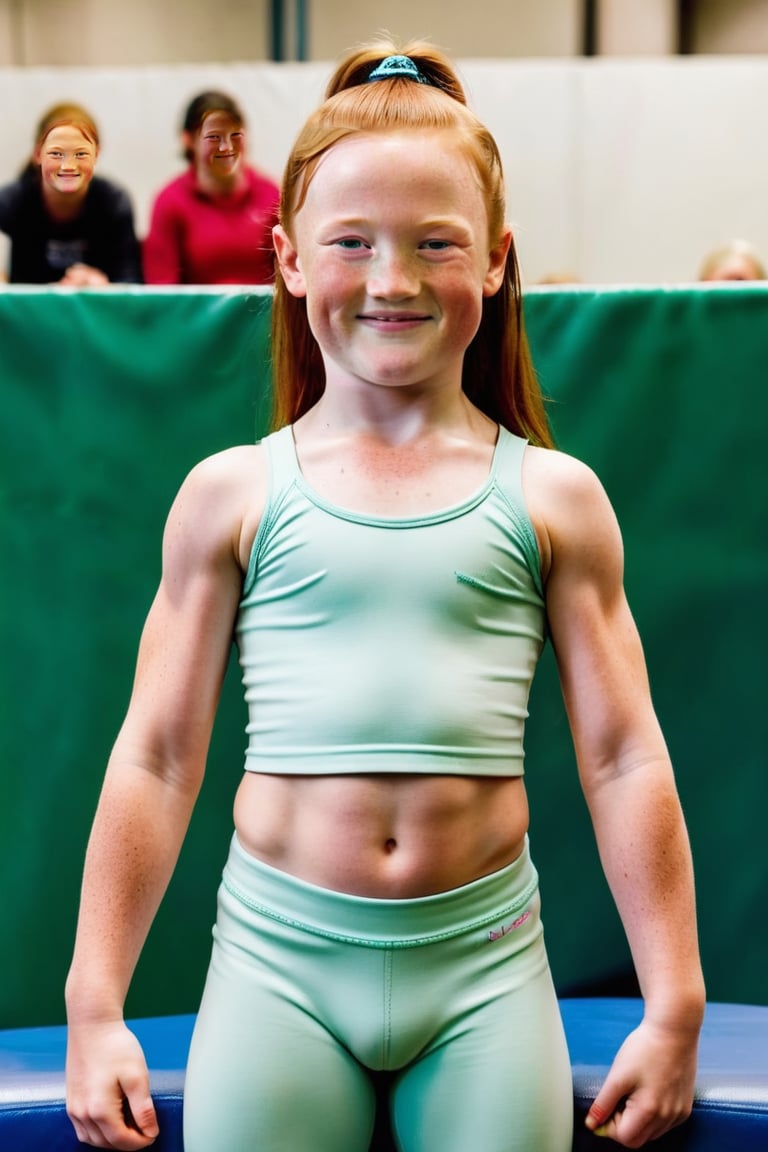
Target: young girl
{"points": [[67, 225], [389, 561], [213, 224]]}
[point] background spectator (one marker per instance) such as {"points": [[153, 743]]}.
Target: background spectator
{"points": [[735, 261], [65, 224], [213, 224]]}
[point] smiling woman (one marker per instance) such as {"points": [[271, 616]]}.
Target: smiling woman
{"points": [[213, 224], [65, 224], [67, 159]]}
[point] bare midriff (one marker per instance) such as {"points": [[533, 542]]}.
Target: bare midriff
{"points": [[383, 836]]}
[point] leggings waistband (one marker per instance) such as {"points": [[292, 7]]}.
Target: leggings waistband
{"points": [[375, 922]]}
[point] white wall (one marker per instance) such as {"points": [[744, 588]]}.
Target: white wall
{"points": [[617, 171], [673, 164]]}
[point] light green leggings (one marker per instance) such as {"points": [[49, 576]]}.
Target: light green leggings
{"points": [[310, 989]]}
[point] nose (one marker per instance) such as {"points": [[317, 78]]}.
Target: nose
{"points": [[392, 275]]}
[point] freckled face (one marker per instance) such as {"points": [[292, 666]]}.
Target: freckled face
{"points": [[67, 159], [391, 250], [219, 149]]}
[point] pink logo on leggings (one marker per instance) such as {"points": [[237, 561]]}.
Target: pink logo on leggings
{"points": [[507, 928]]}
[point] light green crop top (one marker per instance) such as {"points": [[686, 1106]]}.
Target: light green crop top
{"points": [[379, 644]]}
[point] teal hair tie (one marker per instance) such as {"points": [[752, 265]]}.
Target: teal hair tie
{"points": [[397, 66]]}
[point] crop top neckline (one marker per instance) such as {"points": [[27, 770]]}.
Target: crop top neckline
{"points": [[439, 516], [368, 650]]}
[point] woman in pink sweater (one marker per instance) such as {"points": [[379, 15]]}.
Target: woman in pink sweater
{"points": [[213, 224]]}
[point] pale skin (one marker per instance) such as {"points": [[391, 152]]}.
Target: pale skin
{"points": [[394, 280], [67, 159], [219, 149], [735, 263]]}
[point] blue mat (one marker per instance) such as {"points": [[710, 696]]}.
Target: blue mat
{"points": [[730, 1112]]}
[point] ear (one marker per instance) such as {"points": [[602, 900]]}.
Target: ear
{"points": [[288, 262], [497, 263]]}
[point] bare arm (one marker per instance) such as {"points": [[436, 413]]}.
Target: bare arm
{"points": [[629, 786], [152, 781]]}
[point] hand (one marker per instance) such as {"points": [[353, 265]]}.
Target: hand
{"points": [[108, 1098], [649, 1088], [83, 276]]}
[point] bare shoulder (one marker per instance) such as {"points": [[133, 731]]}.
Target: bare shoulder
{"points": [[220, 502], [226, 470], [555, 473], [568, 505]]}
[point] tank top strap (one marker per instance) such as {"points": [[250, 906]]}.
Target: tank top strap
{"points": [[283, 469], [283, 463], [508, 464], [508, 479]]}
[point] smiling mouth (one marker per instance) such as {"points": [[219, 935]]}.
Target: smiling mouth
{"points": [[394, 318]]}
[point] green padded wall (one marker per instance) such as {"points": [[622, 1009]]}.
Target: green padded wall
{"points": [[107, 398], [664, 393]]}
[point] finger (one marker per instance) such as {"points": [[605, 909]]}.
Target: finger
{"points": [[632, 1131], [109, 1129], [122, 1140], [632, 1126], [86, 1131], [139, 1113], [604, 1107], [597, 1117], [137, 1104], [82, 1131], [89, 1133], [635, 1127]]}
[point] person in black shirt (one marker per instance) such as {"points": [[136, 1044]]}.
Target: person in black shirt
{"points": [[65, 224]]}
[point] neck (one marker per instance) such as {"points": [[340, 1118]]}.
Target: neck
{"points": [[394, 415], [213, 187], [63, 206]]}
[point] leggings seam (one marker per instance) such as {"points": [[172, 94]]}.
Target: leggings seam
{"points": [[412, 942], [388, 981]]}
